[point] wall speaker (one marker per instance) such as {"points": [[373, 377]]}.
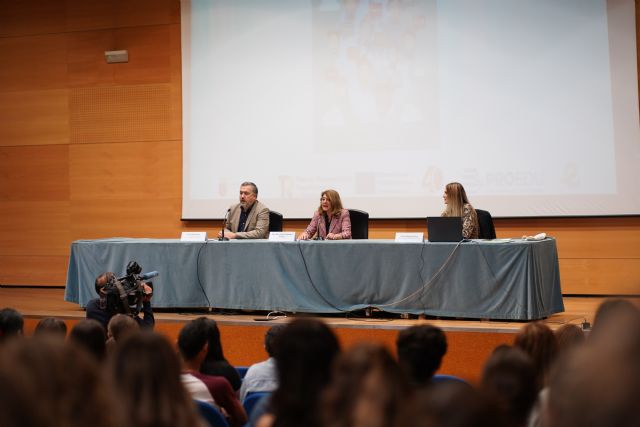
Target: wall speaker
{"points": [[115, 56]]}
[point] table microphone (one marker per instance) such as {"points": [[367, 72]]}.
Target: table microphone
{"points": [[224, 225], [318, 236]]}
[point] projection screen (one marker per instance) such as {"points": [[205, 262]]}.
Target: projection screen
{"points": [[531, 104]]}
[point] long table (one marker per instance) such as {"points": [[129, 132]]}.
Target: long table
{"points": [[475, 279]]}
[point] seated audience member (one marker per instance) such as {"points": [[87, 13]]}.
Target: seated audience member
{"points": [[367, 389], [145, 371], [48, 382], [120, 326], [598, 384], [11, 324], [457, 204], [214, 362], [612, 310], [510, 378], [262, 376], [304, 351], [568, 337], [89, 335], [539, 342], [104, 308], [248, 219], [452, 404], [330, 221], [193, 344], [51, 326], [420, 352]]}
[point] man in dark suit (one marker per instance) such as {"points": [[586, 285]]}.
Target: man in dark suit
{"points": [[248, 219]]}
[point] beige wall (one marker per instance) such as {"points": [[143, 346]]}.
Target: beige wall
{"points": [[91, 150]]}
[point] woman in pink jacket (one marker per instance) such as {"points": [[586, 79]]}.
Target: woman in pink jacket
{"points": [[331, 221]]}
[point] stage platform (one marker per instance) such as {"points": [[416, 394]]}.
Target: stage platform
{"points": [[470, 341]]}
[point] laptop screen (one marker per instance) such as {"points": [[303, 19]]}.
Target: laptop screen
{"points": [[444, 228]]}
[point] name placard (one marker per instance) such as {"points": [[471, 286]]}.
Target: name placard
{"points": [[409, 237], [282, 236], [193, 236]]}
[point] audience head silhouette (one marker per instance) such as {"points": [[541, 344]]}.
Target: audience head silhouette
{"points": [[91, 336], [11, 324], [145, 371], [47, 382], [539, 342], [510, 378], [420, 352], [304, 351], [51, 326], [368, 388]]}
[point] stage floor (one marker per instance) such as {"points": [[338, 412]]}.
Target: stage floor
{"points": [[35, 303]]}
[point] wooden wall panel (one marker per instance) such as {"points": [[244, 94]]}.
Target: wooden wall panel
{"points": [[38, 173], [120, 113], [175, 64], [126, 189], [84, 15], [34, 228], [31, 17], [144, 171], [581, 237], [86, 64], [149, 54], [600, 276], [95, 219], [33, 62], [31, 270], [34, 117]]}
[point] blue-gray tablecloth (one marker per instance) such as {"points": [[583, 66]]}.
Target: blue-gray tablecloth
{"points": [[475, 279]]}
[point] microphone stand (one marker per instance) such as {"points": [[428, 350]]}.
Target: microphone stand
{"points": [[224, 226], [318, 237]]}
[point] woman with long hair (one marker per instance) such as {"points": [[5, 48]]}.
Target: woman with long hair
{"points": [[304, 352], [368, 389], [330, 221], [457, 204], [214, 362], [145, 371]]}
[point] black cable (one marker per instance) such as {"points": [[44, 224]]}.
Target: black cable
{"points": [[427, 284], [306, 269], [198, 273]]}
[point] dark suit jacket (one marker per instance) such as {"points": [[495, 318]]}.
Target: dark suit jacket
{"points": [[257, 226]]}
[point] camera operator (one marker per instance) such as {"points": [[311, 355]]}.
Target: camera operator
{"points": [[102, 311]]}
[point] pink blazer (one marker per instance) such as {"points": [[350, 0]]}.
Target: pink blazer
{"points": [[340, 223]]}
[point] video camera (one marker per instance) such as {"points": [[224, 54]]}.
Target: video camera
{"points": [[125, 294]]}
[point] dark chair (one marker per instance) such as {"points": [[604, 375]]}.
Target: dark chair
{"points": [[443, 378], [487, 230], [211, 414], [359, 224], [252, 400], [275, 221], [242, 371]]}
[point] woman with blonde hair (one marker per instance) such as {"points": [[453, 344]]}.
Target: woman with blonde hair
{"points": [[330, 221], [457, 204]]}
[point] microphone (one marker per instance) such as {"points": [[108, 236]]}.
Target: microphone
{"points": [[224, 226], [149, 275], [318, 236], [143, 276]]}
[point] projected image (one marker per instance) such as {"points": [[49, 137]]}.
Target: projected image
{"points": [[375, 84], [531, 104]]}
